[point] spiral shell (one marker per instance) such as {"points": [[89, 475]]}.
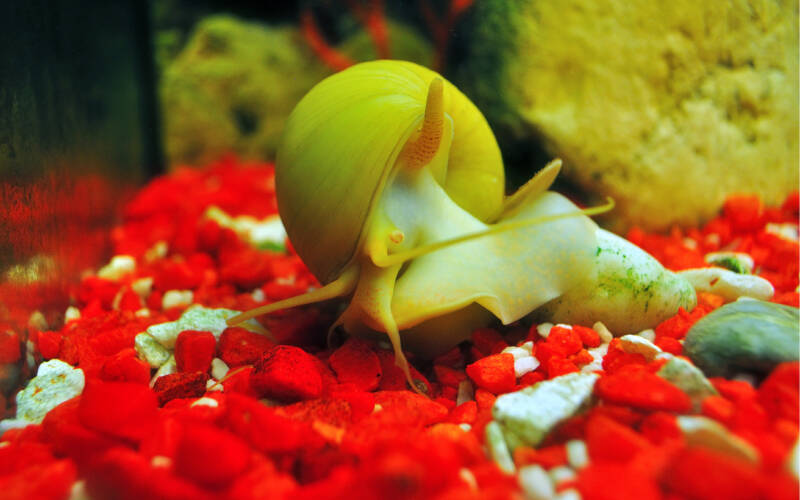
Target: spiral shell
{"points": [[327, 188]]}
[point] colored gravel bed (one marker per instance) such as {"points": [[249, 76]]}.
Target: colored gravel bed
{"points": [[143, 392]]}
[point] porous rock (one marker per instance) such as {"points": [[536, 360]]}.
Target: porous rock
{"points": [[666, 106]]}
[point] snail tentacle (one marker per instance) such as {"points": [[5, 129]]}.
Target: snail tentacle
{"points": [[419, 151], [342, 286]]}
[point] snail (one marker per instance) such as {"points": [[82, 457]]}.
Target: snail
{"points": [[390, 184]]}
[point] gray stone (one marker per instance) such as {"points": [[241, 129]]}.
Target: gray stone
{"points": [[746, 335]]}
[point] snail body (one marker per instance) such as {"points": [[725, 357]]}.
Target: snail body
{"points": [[390, 185]]}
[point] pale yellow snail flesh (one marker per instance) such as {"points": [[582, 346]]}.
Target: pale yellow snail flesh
{"points": [[390, 185]]}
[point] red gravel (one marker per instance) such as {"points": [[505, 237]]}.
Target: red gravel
{"points": [[340, 422]]}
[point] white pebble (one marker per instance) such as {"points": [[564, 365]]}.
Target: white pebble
{"points": [[708, 433], [517, 352], [78, 491], [143, 287], [793, 461], [142, 313], [177, 298], [204, 401], [119, 266], [167, 368], [605, 334], [728, 284], [218, 369], [577, 453], [468, 477], [201, 319], [528, 346], [214, 385], [525, 365], [787, 231], [71, 314], [158, 251], [37, 321], [543, 329], [258, 295], [498, 449], [535, 482], [561, 473], [664, 355], [648, 334], [570, 494], [597, 353], [634, 344], [30, 353]]}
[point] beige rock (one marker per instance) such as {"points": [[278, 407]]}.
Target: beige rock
{"points": [[233, 85], [666, 106]]}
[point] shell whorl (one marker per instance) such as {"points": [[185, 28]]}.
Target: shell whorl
{"points": [[342, 142]]}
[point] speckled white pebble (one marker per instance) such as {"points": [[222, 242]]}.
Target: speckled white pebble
{"points": [[150, 350], [54, 383]]}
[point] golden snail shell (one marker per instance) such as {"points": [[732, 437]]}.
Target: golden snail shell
{"points": [[342, 142]]}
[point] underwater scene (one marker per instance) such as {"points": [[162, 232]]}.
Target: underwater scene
{"points": [[399, 249]]}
